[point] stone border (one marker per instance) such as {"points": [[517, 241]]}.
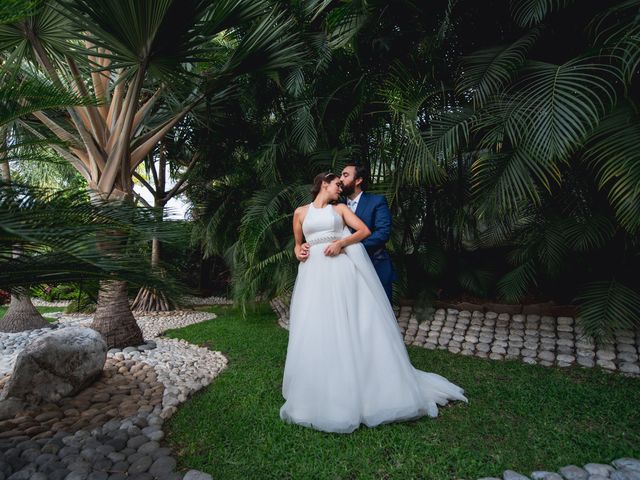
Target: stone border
{"points": [[533, 339], [112, 429], [546, 341], [619, 469]]}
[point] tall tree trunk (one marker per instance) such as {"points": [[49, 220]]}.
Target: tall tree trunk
{"points": [[113, 318], [21, 315], [148, 300]]}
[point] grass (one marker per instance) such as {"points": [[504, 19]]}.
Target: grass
{"points": [[520, 417], [42, 310]]}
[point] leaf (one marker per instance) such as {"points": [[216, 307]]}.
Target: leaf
{"points": [[504, 181], [486, 72], [607, 306], [613, 152], [515, 284], [531, 12], [556, 106], [304, 132]]}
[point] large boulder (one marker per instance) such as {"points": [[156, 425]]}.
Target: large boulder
{"points": [[57, 364]]}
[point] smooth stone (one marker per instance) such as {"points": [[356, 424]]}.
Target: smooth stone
{"points": [[624, 474], [162, 465], [196, 475], [605, 355], [630, 368], [546, 356], [609, 365], [141, 465], [585, 362], [566, 358], [57, 364], [628, 463], [572, 472], [627, 357], [511, 475], [598, 469], [98, 476], [542, 475]]}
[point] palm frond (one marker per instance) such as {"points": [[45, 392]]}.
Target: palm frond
{"points": [[607, 306], [506, 180], [591, 233], [344, 22], [531, 12], [304, 132], [618, 33], [487, 72], [515, 284], [556, 106], [613, 152]]}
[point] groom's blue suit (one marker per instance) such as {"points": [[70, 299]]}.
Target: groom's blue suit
{"points": [[374, 212]]}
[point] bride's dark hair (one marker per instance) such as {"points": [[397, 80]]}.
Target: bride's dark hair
{"points": [[317, 182]]}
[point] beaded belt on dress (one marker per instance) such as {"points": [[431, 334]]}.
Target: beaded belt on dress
{"points": [[322, 238]]}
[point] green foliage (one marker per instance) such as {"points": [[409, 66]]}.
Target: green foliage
{"points": [[52, 293], [504, 139], [83, 303], [607, 306], [51, 237]]}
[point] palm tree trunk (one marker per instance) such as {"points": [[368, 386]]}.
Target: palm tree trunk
{"points": [[22, 315], [113, 318], [148, 300]]}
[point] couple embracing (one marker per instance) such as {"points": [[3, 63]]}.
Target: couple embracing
{"points": [[346, 361]]}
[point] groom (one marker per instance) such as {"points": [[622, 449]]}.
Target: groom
{"points": [[374, 212]]}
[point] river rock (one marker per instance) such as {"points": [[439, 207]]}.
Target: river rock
{"points": [[57, 364]]}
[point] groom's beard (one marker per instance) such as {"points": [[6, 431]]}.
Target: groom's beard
{"points": [[348, 190]]}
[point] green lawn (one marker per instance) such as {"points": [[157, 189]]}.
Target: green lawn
{"points": [[42, 310], [519, 417]]}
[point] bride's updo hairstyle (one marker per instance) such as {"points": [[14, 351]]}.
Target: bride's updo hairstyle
{"points": [[317, 182]]}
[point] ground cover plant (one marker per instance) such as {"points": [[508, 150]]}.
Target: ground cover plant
{"points": [[520, 417]]}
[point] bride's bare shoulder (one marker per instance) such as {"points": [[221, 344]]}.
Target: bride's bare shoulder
{"points": [[340, 207], [300, 212]]}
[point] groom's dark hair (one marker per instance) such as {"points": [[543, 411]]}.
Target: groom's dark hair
{"points": [[361, 172]]}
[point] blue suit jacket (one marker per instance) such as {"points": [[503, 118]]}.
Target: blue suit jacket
{"points": [[374, 212]]}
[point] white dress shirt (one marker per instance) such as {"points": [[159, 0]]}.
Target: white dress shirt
{"points": [[353, 204]]}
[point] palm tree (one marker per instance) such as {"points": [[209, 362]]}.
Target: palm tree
{"points": [[519, 141], [21, 315], [35, 95], [112, 51], [172, 149]]}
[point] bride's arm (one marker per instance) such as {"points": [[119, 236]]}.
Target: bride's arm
{"points": [[298, 216], [351, 219]]}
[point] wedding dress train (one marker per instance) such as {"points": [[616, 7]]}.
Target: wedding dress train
{"points": [[346, 360]]}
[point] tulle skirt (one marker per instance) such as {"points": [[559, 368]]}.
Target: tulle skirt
{"points": [[346, 361]]}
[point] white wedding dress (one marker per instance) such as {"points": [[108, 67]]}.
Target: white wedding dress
{"points": [[346, 360]]}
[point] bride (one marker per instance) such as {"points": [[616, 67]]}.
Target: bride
{"points": [[346, 360]]}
